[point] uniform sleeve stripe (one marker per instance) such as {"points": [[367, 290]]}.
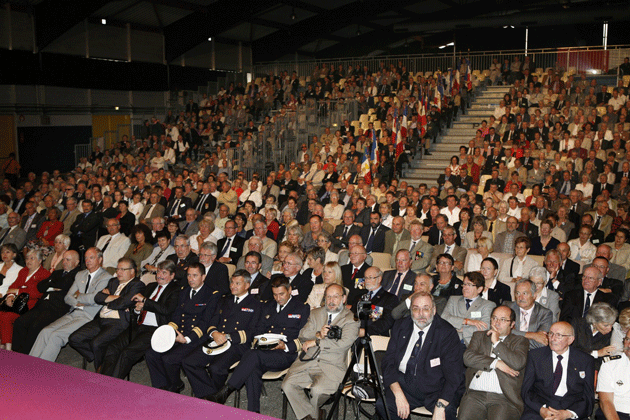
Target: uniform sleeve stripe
{"points": [[174, 325]]}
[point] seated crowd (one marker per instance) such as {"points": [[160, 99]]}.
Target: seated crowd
{"points": [[503, 289]]}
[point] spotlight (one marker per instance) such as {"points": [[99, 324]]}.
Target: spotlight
{"points": [[104, 21], [210, 39], [116, 108], [293, 17]]}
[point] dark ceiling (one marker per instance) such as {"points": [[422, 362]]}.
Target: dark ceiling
{"points": [[278, 29]]}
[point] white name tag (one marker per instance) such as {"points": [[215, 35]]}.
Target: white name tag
{"points": [[294, 292], [435, 362], [476, 314], [253, 291], [407, 287], [232, 249]]}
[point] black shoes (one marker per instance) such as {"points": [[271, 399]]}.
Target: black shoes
{"points": [[221, 396], [179, 388]]}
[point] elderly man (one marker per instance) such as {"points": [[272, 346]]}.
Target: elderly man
{"points": [[559, 379], [87, 284], [419, 250], [233, 319], [470, 312], [321, 373], [400, 280], [152, 209], [189, 226], [270, 247], [504, 241], [352, 274], [382, 302], [50, 307], [31, 221], [182, 258], [69, 215], [301, 285], [154, 307], [85, 227], [532, 319], [283, 315], [195, 307], [423, 364], [609, 285], [230, 248], [577, 302], [114, 245], [216, 274], [423, 284], [13, 234], [496, 361], [615, 271], [256, 245], [612, 380], [450, 247], [557, 280], [396, 235], [346, 229], [92, 339]]}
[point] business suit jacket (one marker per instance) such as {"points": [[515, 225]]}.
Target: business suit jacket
{"points": [[537, 388], [339, 240], [434, 236], [540, 320], [124, 302], [54, 301], [454, 287], [500, 293], [301, 287], [573, 303], [406, 284], [383, 300], [333, 359], [390, 240], [506, 273], [181, 274], [98, 282], [499, 240], [209, 204], [17, 237], [459, 254], [421, 255], [267, 264], [68, 217], [38, 219], [512, 351], [379, 237], [191, 229], [455, 313], [184, 204], [217, 278], [346, 275], [531, 230], [605, 223], [84, 230], [597, 189], [236, 248], [165, 305], [439, 372], [116, 249], [150, 211]]}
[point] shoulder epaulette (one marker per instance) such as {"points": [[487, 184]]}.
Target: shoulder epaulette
{"points": [[609, 358]]}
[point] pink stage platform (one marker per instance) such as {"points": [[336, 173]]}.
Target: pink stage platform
{"points": [[35, 389]]}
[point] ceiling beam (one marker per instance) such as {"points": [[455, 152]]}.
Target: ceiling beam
{"points": [[192, 30], [54, 18]]}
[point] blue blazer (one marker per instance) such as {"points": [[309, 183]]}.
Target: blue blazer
{"points": [[537, 389], [440, 372]]}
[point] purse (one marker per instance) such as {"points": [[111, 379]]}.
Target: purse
{"points": [[20, 304]]}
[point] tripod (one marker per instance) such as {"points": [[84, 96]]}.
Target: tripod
{"points": [[362, 344]]}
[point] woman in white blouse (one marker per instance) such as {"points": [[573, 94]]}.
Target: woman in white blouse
{"points": [[334, 209], [582, 250], [484, 248], [9, 269], [136, 206]]}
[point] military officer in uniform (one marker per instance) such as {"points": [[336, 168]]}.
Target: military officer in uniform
{"points": [[283, 315], [195, 307], [613, 385], [234, 319]]}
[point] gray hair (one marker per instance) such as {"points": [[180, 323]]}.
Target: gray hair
{"points": [[37, 253], [64, 239], [529, 282], [601, 312], [538, 272], [209, 246], [243, 273]]}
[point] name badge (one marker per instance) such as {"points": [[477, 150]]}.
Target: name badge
{"points": [[407, 287], [435, 362], [253, 291], [294, 292], [247, 310], [476, 314], [233, 249]]}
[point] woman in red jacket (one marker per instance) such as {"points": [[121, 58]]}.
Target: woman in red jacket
{"points": [[26, 282]]}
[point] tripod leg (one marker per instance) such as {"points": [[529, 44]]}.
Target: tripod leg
{"points": [[376, 372], [338, 394]]}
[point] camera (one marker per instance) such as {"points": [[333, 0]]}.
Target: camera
{"points": [[334, 333], [364, 307]]}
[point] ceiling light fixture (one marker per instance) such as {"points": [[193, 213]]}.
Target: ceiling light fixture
{"points": [[210, 39], [104, 21]]}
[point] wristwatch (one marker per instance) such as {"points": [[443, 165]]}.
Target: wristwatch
{"points": [[440, 404]]}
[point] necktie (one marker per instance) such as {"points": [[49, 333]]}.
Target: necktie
{"points": [[490, 227], [158, 257], [394, 289], [550, 284], [200, 204], [354, 273], [143, 314], [185, 227], [329, 319], [64, 216], [468, 302], [370, 242], [414, 358], [192, 295], [5, 235], [235, 299], [587, 304], [557, 374], [87, 284], [413, 245], [599, 219], [345, 233], [524, 322], [175, 206], [226, 248], [151, 207], [574, 208], [106, 244], [448, 249]]}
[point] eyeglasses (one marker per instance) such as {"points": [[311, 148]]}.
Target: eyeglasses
{"points": [[553, 334], [123, 269], [502, 320], [468, 285], [372, 278]]}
